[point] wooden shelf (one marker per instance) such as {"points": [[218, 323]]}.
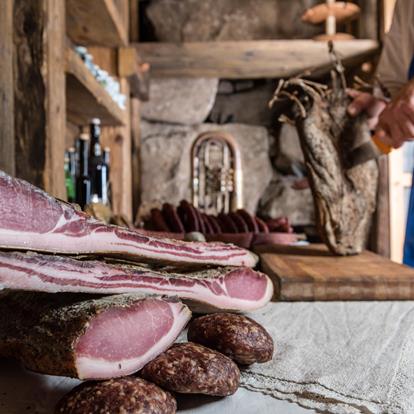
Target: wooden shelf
{"points": [[250, 59], [86, 98], [95, 23]]}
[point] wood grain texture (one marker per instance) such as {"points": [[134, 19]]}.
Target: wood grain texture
{"points": [[135, 155], [312, 273], [7, 163], [54, 73], [133, 20], [39, 98], [381, 231], [118, 139], [86, 98], [249, 59], [29, 108], [96, 22]]}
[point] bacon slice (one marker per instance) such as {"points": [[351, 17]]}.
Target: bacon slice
{"points": [[30, 219], [100, 338], [230, 288]]}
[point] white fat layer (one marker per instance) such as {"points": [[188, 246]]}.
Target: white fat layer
{"points": [[92, 368], [108, 242]]}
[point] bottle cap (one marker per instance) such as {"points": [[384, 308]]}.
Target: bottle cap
{"points": [[96, 121], [84, 136], [71, 149]]}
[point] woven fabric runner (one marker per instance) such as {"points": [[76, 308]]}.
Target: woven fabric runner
{"points": [[339, 357]]}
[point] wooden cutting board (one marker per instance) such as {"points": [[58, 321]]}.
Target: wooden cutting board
{"points": [[312, 273]]}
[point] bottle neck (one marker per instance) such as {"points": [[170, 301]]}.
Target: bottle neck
{"points": [[95, 133], [84, 158]]}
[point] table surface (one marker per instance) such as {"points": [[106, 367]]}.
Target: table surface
{"points": [[22, 391]]}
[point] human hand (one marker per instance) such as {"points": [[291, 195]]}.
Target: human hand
{"points": [[396, 122], [365, 102]]}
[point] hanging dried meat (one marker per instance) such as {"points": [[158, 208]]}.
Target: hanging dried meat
{"points": [[344, 195]]}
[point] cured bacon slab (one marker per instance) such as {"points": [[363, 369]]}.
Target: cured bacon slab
{"points": [[100, 338], [31, 219], [230, 288]]}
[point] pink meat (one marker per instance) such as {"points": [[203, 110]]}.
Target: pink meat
{"points": [[30, 219], [232, 288], [120, 341], [88, 337]]}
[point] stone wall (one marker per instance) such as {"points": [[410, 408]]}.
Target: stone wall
{"points": [[166, 158], [204, 20], [178, 112]]}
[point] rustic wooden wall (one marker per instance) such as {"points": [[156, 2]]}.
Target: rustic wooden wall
{"points": [[6, 88], [39, 93]]}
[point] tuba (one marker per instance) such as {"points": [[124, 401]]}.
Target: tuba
{"points": [[216, 173]]}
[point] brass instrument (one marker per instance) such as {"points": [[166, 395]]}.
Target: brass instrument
{"points": [[216, 173]]}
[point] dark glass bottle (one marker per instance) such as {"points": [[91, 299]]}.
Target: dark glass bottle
{"points": [[69, 182], [95, 158], [83, 182], [107, 162]]}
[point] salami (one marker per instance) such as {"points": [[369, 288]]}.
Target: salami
{"points": [[193, 369], [237, 336], [122, 395]]}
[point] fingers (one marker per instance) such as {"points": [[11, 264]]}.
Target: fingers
{"points": [[353, 93], [397, 124], [384, 137], [361, 102]]}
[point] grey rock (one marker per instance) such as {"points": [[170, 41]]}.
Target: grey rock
{"points": [[165, 165], [281, 199], [204, 20], [180, 100], [245, 107], [288, 150]]}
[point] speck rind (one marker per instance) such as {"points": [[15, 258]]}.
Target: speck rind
{"points": [[239, 337], [128, 395], [190, 368]]}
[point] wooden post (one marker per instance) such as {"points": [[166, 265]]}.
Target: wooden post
{"points": [[6, 88], [39, 93], [381, 230], [369, 20], [135, 155], [118, 139]]}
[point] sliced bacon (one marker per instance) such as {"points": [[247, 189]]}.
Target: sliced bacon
{"points": [[231, 288], [30, 219]]}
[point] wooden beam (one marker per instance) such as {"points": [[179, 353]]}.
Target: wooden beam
{"points": [[137, 73], [55, 98], [6, 88], [133, 20], [135, 155], [368, 22], [118, 139], [39, 93], [250, 59], [381, 233], [96, 22]]}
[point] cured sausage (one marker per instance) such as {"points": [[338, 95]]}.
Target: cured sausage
{"points": [[239, 337], [193, 369], [122, 395]]}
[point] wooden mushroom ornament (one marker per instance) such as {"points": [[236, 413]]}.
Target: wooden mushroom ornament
{"points": [[332, 12]]}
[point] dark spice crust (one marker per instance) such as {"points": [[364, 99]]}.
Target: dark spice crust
{"points": [[42, 329], [126, 395], [193, 369], [237, 336]]}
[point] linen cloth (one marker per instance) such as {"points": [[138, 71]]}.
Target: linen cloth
{"points": [[339, 357]]}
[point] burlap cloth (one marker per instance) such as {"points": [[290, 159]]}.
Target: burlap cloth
{"points": [[339, 357]]}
